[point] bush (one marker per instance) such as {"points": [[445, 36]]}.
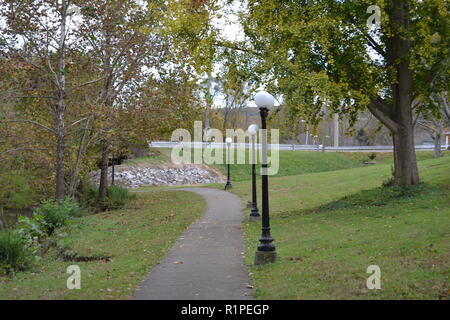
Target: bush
{"points": [[14, 252], [87, 196], [32, 230], [57, 214], [117, 197]]}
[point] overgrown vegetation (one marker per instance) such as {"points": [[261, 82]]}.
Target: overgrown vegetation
{"points": [[15, 254], [116, 197]]}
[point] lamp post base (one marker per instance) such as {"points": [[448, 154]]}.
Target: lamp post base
{"points": [[254, 215], [264, 257], [228, 186]]}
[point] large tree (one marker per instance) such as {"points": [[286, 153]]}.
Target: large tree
{"points": [[325, 53], [39, 33]]}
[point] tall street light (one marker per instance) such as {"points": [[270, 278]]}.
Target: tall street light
{"points": [[254, 214], [307, 132], [266, 250], [228, 185]]}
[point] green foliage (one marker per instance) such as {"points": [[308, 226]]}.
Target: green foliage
{"points": [[117, 197], [32, 229], [15, 189], [324, 52], [14, 252], [57, 214]]}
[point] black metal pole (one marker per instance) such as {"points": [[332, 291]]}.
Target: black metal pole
{"points": [[112, 173], [266, 250], [254, 214], [228, 185]]}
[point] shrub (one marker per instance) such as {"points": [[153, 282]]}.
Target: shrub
{"points": [[32, 229], [372, 156], [117, 197], [57, 214], [87, 196], [14, 252]]}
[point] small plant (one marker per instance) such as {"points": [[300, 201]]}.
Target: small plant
{"points": [[57, 214], [32, 230], [117, 197], [389, 182], [15, 255], [372, 156], [87, 196]]}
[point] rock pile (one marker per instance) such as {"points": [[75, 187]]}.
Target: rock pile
{"points": [[140, 176]]}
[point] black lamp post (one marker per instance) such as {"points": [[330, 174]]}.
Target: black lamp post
{"points": [[266, 250], [228, 185], [254, 214]]}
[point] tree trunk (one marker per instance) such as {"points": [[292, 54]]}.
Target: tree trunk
{"points": [[60, 170], [405, 163], [437, 145], [2, 223], [76, 170], [60, 107], [103, 170], [398, 51]]}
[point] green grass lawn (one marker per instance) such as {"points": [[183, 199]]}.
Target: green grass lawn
{"points": [[133, 239], [325, 243]]}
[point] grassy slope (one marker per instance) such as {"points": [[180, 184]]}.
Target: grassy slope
{"points": [[136, 238], [291, 162], [324, 255]]}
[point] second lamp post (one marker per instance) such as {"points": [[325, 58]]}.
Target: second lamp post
{"points": [[228, 185], [254, 214], [266, 250]]}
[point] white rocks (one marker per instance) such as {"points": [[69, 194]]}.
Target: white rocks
{"points": [[139, 176]]}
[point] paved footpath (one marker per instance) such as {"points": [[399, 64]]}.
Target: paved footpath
{"points": [[207, 261]]}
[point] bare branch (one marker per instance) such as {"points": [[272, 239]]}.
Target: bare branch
{"points": [[67, 128], [85, 84]]}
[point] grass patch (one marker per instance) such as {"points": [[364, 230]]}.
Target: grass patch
{"points": [[114, 250], [325, 255], [381, 196]]}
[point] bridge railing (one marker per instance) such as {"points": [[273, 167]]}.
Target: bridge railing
{"points": [[291, 147]]}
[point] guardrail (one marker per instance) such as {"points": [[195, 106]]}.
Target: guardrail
{"points": [[291, 147]]}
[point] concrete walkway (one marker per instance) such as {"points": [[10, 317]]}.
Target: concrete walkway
{"points": [[207, 261]]}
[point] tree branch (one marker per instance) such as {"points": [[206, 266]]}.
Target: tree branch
{"points": [[32, 122], [381, 111], [67, 128]]}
